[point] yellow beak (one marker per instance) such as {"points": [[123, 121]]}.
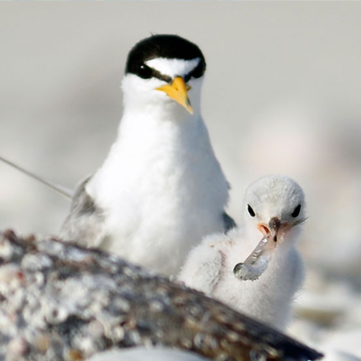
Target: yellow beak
{"points": [[178, 91]]}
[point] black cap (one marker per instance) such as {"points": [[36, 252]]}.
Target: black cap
{"points": [[162, 46]]}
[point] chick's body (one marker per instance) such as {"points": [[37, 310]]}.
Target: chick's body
{"points": [[210, 266]]}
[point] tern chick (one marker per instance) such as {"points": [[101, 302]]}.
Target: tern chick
{"points": [[253, 277]]}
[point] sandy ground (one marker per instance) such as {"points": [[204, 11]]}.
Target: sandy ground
{"points": [[282, 95]]}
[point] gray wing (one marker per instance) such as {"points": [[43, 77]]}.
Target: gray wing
{"points": [[228, 222], [85, 222]]}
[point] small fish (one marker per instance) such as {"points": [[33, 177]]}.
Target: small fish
{"points": [[257, 262]]}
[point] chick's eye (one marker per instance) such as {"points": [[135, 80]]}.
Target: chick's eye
{"points": [[144, 71], [251, 211], [199, 70], [297, 211]]}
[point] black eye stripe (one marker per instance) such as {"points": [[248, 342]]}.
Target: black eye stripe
{"points": [[250, 211], [145, 72], [296, 211], [160, 76]]}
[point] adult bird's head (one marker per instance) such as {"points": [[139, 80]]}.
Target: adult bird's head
{"points": [[275, 205], [164, 72]]}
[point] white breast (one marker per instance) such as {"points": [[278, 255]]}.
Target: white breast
{"points": [[209, 268], [162, 190], [268, 299]]}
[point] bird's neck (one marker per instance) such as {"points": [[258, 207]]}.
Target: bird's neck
{"points": [[149, 146], [160, 131], [156, 121]]}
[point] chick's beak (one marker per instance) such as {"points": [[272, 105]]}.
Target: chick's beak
{"points": [[274, 225], [178, 91], [273, 229]]}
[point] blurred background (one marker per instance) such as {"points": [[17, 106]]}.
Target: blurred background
{"points": [[282, 95]]}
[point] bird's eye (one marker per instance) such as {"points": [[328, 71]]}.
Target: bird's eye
{"points": [[199, 70], [297, 211], [251, 211], [144, 71]]}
